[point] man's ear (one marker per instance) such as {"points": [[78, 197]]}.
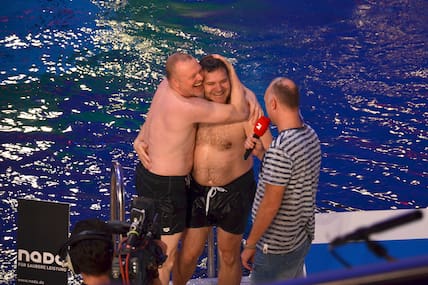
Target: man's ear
{"points": [[273, 103], [173, 82]]}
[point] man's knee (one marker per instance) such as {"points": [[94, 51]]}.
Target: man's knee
{"points": [[229, 257], [188, 257], [191, 251]]}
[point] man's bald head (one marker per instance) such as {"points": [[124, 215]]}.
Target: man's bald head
{"points": [[285, 91], [172, 61]]}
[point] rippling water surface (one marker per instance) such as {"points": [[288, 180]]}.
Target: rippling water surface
{"points": [[77, 78]]}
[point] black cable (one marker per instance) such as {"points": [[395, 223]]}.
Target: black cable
{"points": [[378, 250], [339, 258]]}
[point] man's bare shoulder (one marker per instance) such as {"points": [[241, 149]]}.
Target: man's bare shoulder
{"points": [[163, 88]]}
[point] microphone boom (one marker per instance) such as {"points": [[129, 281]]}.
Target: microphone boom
{"points": [[364, 232]]}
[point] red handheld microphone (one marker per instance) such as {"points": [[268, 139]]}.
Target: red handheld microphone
{"points": [[260, 128]]}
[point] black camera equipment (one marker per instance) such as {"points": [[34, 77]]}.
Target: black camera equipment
{"points": [[138, 255]]}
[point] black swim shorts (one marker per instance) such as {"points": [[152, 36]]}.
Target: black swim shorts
{"points": [[170, 194], [225, 206]]}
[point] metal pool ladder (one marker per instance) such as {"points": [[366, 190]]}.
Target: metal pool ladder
{"points": [[117, 212], [117, 197]]}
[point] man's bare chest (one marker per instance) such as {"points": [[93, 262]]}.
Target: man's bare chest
{"points": [[220, 137]]}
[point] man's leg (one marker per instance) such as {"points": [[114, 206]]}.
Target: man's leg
{"points": [[229, 246], [192, 245], [171, 242]]}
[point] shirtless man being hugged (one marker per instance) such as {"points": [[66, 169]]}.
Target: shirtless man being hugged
{"points": [[222, 185], [169, 132]]}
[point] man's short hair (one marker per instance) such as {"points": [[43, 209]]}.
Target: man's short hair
{"points": [[287, 92], [210, 64], [172, 60], [91, 247]]}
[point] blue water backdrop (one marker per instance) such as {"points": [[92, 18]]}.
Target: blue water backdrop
{"points": [[77, 78]]}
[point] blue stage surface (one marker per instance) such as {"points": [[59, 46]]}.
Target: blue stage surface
{"points": [[320, 258], [406, 271]]}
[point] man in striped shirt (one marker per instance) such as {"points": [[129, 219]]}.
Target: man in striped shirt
{"points": [[283, 210]]}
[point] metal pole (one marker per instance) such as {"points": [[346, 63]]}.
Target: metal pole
{"points": [[117, 197], [211, 255]]}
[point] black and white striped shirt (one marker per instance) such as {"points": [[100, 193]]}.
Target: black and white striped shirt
{"points": [[293, 160]]}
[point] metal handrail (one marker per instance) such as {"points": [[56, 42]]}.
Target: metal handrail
{"points": [[117, 197], [117, 203], [117, 213], [211, 255]]}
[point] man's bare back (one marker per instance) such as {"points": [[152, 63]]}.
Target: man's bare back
{"points": [[166, 123]]}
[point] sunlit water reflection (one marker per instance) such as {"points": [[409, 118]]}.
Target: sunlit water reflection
{"points": [[76, 80]]}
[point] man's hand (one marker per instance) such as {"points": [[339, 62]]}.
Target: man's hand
{"points": [[256, 145], [142, 150], [247, 258], [225, 61], [141, 147]]}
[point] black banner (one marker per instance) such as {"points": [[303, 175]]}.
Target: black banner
{"points": [[42, 229]]}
